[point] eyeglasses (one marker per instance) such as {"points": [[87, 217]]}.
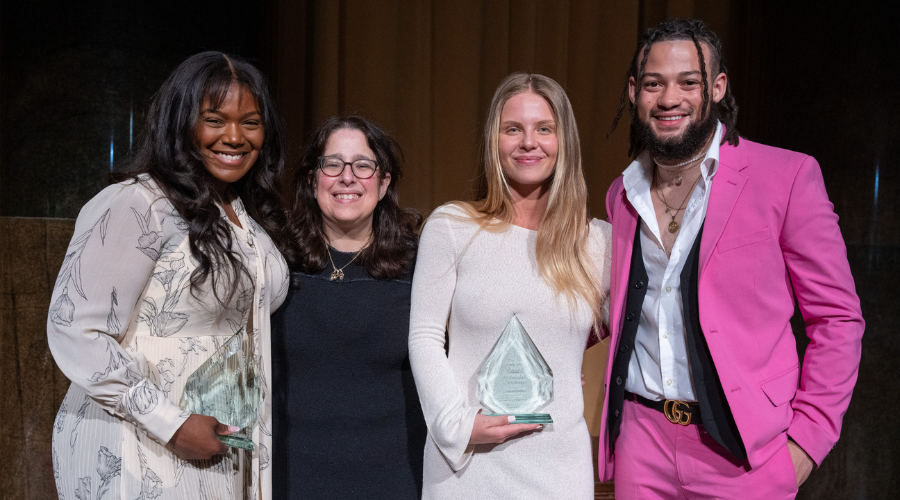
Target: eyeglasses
{"points": [[333, 166]]}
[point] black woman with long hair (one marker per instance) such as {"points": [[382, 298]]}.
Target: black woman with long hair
{"points": [[346, 415], [165, 265]]}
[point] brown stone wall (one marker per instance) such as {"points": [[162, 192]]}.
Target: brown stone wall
{"points": [[31, 386]]}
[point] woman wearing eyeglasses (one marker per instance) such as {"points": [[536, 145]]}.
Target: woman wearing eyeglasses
{"points": [[347, 420]]}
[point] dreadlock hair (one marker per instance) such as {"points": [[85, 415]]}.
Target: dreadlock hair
{"points": [[673, 30]]}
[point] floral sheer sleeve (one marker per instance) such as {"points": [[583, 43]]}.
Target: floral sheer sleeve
{"points": [[116, 249]]}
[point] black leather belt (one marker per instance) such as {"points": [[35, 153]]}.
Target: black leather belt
{"points": [[677, 412]]}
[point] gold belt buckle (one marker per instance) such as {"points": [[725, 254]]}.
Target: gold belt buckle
{"points": [[675, 411]]}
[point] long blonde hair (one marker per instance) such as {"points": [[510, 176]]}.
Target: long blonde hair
{"points": [[562, 236]]}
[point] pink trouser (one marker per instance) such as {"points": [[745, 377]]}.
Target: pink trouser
{"points": [[656, 459]]}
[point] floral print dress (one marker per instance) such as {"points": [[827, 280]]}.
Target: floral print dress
{"points": [[126, 329]]}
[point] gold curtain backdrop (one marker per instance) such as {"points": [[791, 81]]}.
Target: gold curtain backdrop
{"points": [[427, 70]]}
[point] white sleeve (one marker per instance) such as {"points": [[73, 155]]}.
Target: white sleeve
{"points": [[449, 417], [605, 263], [108, 264]]}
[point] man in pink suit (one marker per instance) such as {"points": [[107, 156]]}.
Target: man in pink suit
{"points": [[714, 237]]}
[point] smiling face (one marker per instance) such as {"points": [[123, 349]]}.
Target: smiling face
{"points": [[347, 202], [670, 102], [230, 137], [527, 143]]}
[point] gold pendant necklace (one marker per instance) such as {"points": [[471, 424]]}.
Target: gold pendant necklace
{"points": [[338, 274], [672, 211], [673, 225]]}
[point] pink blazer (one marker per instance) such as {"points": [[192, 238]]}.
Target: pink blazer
{"points": [[770, 235]]}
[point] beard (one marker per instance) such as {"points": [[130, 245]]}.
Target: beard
{"points": [[682, 147]]}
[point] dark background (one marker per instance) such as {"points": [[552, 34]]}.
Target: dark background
{"points": [[76, 81], [76, 77]]}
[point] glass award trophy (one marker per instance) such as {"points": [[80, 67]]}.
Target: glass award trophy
{"points": [[226, 387], [514, 379]]}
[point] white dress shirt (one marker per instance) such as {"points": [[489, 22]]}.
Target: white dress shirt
{"points": [[659, 367]]}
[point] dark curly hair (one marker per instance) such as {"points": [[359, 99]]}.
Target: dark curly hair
{"points": [[169, 153], [394, 230], [680, 29]]}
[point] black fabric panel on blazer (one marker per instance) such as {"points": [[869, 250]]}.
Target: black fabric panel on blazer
{"points": [[637, 275], [717, 418]]}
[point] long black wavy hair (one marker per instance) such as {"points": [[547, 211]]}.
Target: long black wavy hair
{"points": [[726, 110], [169, 153], [394, 230]]}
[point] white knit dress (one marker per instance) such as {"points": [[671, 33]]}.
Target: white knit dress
{"points": [[478, 280], [126, 330]]}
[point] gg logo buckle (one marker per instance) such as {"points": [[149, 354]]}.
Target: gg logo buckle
{"points": [[674, 411]]}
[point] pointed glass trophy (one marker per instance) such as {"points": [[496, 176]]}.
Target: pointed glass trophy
{"points": [[226, 387], [514, 379]]}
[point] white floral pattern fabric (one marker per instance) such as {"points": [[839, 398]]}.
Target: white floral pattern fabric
{"points": [[126, 329]]}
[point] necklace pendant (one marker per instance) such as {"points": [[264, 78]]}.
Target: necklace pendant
{"points": [[678, 179], [337, 275], [673, 226]]}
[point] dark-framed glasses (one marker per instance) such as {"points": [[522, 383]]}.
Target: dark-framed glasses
{"points": [[333, 166]]}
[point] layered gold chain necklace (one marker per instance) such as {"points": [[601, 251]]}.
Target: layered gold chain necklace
{"points": [[670, 210]]}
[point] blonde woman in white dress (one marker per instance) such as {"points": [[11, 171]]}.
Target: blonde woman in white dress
{"points": [[525, 247], [163, 267]]}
